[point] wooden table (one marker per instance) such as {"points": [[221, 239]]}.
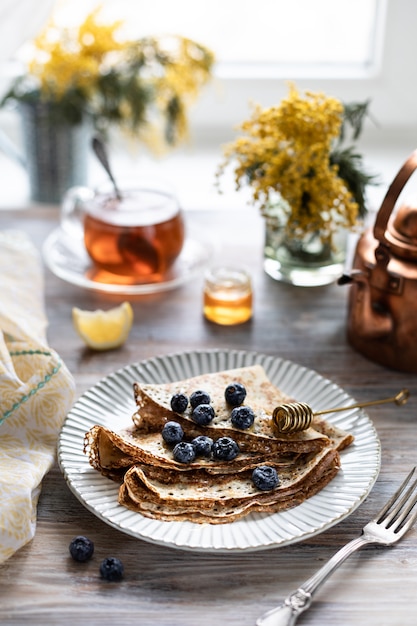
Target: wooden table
{"points": [[376, 587]]}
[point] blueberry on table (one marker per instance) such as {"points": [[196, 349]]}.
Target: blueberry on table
{"points": [[172, 433], [234, 394], [199, 397], [202, 445], [179, 402], [111, 569], [225, 449], [242, 417], [81, 548], [265, 477], [184, 452], [203, 414]]}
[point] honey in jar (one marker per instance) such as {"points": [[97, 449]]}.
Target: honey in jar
{"points": [[227, 296]]}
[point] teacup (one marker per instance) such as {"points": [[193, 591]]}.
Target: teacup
{"points": [[134, 238]]}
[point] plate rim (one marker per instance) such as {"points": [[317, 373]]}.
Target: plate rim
{"points": [[209, 354], [73, 278]]}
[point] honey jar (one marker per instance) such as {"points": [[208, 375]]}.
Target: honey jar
{"points": [[227, 295]]}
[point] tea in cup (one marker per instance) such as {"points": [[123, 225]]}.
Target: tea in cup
{"points": [[134, 238]]}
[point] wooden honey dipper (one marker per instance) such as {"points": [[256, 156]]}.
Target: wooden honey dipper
{"points": [[296, 416]]}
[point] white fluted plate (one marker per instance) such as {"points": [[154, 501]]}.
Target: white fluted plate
{"points": [[110, 403]]}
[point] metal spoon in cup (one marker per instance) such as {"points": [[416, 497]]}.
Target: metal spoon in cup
{"points": [[135, 248], [101, 153]]}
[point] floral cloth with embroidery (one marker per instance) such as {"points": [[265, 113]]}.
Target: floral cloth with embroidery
{"points": [[36, 391]]}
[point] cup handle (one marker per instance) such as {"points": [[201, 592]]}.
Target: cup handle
{"points": [[72, 210]]}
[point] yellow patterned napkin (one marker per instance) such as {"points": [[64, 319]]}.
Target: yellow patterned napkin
{"points": [[36, 391]]}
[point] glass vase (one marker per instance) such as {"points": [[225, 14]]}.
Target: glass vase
{"points": [[306, 261]]}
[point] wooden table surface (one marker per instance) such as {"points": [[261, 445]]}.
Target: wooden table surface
{"points": [[167, 587]]}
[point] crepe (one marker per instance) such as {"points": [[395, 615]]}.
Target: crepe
{"points": [[112, 454], [154, 410], [229, 499]]}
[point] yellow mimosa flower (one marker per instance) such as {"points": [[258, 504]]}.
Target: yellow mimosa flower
{"points": [[286, 152], [91, 70]]}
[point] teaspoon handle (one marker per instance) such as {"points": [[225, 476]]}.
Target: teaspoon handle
{"points": [[101, 154]]}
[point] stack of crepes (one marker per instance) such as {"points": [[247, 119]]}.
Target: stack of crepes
{"points": [[154, 484]]}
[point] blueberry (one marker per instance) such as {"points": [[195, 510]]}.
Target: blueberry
{"points": [[81, 548], [184, 452], [179, 402], [203, 414], [202, 445], [172, 433], [225, 449], [265, 477], [111, 569], [199, 397], [242, 417], [234, 394]]}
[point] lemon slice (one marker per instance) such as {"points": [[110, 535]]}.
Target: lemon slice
{"points": [[104, 330]]}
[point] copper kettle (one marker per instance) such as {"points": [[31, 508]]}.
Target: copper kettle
{"points": [[382, 309]]}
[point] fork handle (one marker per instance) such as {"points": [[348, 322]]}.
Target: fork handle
{"points": [[286, 614]]}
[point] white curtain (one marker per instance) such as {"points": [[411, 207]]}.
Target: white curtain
{"points": [[20, 21]]}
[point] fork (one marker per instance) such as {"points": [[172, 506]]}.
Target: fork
{"points": [[391, 523]]}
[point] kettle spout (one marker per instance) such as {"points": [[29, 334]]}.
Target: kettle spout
{"points": [[347, 279]]}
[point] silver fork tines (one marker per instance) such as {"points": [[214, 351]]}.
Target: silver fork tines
{"points": [[402, 508], [391, 523]]}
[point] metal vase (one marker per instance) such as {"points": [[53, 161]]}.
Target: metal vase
{"points": [[56, 153]]}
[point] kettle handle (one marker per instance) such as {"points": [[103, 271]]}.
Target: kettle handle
{"points": [[391, 197]]}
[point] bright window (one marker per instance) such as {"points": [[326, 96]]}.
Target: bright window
{"points": [[263, 38]]}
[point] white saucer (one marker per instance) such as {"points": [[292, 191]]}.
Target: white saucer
{"points": [[69, 260]]}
